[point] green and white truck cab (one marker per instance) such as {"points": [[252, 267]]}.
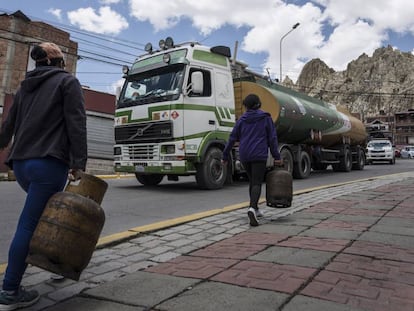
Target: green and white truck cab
{"points": [[174, 114]]}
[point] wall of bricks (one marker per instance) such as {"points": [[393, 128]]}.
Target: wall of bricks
{"points": [[18, 33]]}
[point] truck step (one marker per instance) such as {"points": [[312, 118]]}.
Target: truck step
{"points": [[330, 150]]}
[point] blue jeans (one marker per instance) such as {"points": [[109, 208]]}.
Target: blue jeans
{"points": [[40, 178]]}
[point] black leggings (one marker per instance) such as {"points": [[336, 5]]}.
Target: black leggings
{"points": [[255, 172]]}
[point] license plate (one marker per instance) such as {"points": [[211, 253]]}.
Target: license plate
{"points": [[139, 169]]}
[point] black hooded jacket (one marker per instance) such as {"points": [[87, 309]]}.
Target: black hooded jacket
{"points": [[47, 118]]}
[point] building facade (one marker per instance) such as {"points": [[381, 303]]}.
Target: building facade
{"points": [[404, 128], [18, 35]]}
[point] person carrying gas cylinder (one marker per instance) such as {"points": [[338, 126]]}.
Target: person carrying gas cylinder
{"points": [[256, 134]]}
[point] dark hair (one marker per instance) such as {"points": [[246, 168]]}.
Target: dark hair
{"points": [[252, 101], [38, 54], [47, 54]]}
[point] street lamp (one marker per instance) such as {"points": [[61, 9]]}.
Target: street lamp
{"points": [[280, 46]]}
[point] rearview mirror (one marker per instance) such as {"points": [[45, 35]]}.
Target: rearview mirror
{"points": [[197, 82]]}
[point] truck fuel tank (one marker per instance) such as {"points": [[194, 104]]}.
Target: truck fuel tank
{"points": [[300, 118]]}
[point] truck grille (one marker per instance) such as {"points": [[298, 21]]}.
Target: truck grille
{"points": [[141, 152], [148, 131]]}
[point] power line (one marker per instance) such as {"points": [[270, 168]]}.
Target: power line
{"points": [[120, 41], [111, 40], [118, 62]]}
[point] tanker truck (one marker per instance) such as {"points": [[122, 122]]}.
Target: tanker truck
{"points": [[179, 103]]}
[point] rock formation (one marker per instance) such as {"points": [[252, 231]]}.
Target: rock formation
{"points": [[381, 84]]}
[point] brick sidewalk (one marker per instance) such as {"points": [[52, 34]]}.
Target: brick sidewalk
{"points": [[337, 258], [349, 247]]}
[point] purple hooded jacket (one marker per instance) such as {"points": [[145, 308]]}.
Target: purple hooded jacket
{"points": [[257, 134]]}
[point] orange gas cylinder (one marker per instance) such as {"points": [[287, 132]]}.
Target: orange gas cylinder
{"points": [[69, 228]]}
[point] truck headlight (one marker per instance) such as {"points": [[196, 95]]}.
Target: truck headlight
{"points": [[168, 149]]}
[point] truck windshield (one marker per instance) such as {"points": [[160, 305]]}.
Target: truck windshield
{"points": [[379, 144], [163, 84]]}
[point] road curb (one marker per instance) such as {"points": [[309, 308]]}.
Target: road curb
{"points": [[133, 232]]}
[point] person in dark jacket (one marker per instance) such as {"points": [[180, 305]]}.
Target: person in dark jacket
{"points": [[47, 122], [256, 134]]}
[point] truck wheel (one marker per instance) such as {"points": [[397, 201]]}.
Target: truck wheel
{"points": [[149, 180], [345, 164], [211, 174], [359, 165], [287, 159], [302, 168]]}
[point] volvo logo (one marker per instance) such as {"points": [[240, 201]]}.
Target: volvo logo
{"points": [[140, 132]]}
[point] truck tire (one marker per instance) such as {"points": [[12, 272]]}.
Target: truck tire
{"points": [[302, 168], [149, 180], [359, 165], [287, 158], [345, 162], [211, 174]]}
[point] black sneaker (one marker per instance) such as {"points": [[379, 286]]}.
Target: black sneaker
{"points": [[22, 298], [252, 217]]}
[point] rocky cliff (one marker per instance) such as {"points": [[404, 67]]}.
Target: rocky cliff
{"points": [[381, 84]]}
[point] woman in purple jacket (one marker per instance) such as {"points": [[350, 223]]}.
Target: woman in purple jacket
{"points": [[256, 134]]}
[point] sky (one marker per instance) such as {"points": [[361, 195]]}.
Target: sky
{"points": [[111, 33]]}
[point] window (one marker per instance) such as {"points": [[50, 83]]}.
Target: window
{"points": [[159, 85], [378, 144]]}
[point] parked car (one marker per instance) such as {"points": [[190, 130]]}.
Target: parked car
{"points": [[407, 152], [380, 150]]}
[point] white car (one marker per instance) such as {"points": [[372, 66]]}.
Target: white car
{"points": [[380, 150], [407, 152]]}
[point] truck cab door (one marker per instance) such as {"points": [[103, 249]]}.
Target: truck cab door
{"points": [[199, 103]]}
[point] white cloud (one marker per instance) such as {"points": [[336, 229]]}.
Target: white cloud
{"points": [[106, 21], [110, 1], [383, 14], [342, 46], [335, 31], [116, 87], [56, 12], [205, 16]]}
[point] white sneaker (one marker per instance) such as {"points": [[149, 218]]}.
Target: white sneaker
{"points": [[252, 217], [259, 213]]}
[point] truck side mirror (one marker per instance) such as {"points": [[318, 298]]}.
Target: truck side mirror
{"points": [[197, 83], [118, 92]]}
